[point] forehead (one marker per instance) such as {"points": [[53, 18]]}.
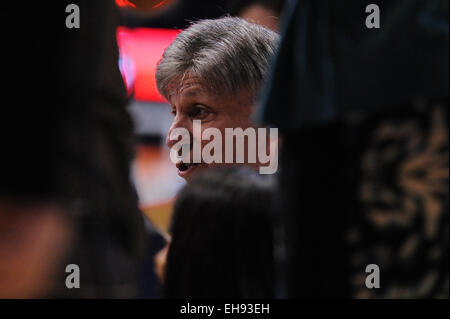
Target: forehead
{"points": [[188, 87]]}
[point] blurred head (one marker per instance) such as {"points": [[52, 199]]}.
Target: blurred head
{"points": [[222, 244], [213, 72], [264, 12]]}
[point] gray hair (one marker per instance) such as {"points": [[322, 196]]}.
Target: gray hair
{"points": [[228, 55]]}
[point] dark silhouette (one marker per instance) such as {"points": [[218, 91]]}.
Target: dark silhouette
{"points": [[222, 244]]}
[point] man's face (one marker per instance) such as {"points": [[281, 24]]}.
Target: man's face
{"points": [[190, 101]]}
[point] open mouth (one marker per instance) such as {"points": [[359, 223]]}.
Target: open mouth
{"points": [[185, 169]]}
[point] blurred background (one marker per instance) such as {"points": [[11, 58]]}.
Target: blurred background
{"points": [[147, 27]]}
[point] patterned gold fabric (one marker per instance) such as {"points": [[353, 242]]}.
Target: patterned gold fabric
{"points": [[404, 185]]}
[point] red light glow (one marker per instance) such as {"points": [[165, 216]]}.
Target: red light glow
{"points": [[145, 47], [125, 3]]}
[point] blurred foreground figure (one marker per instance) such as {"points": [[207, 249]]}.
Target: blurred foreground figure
{"points": [[222, 237], [364, 170], [65, 196]]}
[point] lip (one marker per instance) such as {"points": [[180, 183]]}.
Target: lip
{"points": [[185, 174]]}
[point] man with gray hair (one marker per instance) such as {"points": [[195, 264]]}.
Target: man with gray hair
{"points": [[213, 72]]}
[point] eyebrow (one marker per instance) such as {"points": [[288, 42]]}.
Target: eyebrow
{"points": [[190, 93]]}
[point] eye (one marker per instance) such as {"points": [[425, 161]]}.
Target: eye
{"points": [[199, 112], [174, 112]]}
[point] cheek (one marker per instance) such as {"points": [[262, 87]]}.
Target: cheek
{"points": [[224, 121], [238, 116], [219, 124]]}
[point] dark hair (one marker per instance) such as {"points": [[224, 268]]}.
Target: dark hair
{"points": [[222, 245]]}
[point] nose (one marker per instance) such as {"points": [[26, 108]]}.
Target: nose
{"points": [[179, 122]]}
